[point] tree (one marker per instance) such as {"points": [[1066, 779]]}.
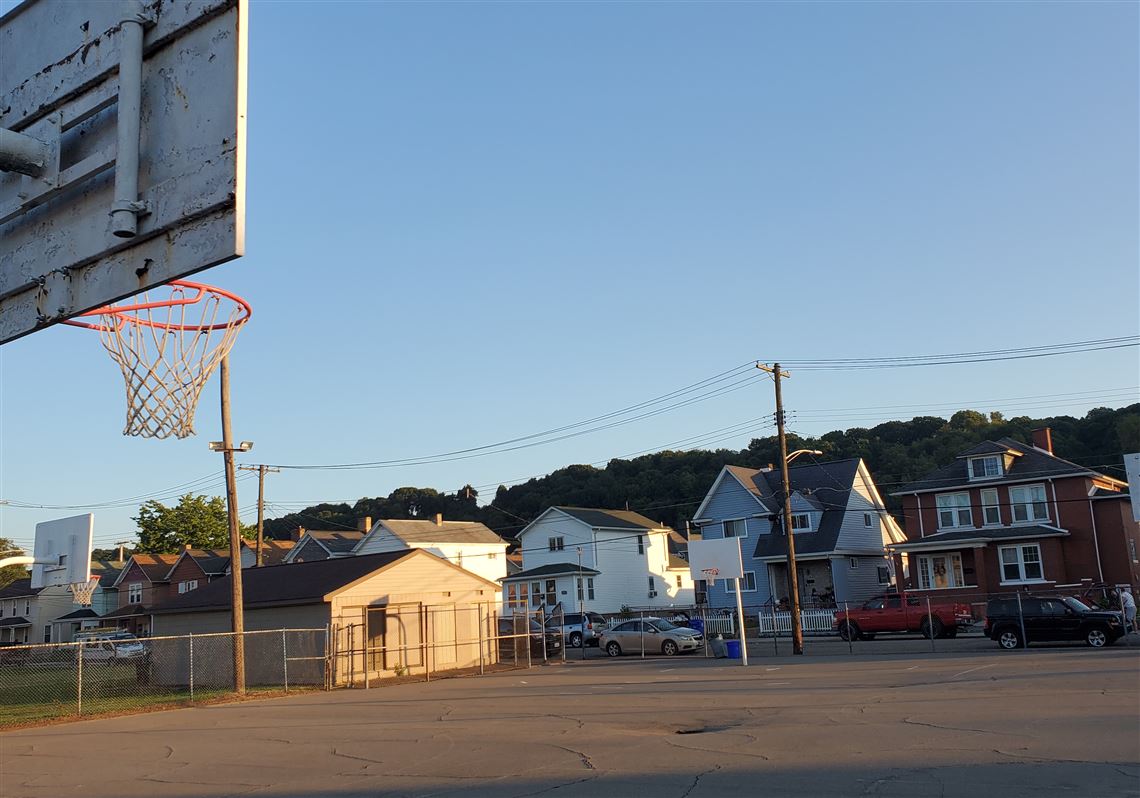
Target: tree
{"points": [[12, 572], [197, 521]]}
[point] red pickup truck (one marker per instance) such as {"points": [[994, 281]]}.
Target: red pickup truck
{"points": [[898, 612]]}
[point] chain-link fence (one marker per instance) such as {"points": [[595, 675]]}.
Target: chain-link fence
{"points": [[115, 672]]}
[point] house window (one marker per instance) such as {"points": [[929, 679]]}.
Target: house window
{"points": [[985, 467], [1021, 563], [991, 513], [551, 592], [641, 544], [580, 594], [954, 510], [512, 596], [47, 633], [590, 588], [556, 544], [652, 588], [736, 529], [536, 594], [28, 604], [801, 522], [884, 575], [853, 562], [867, 520], [1028, 503], [134, 593], [492, 556], [678, 581], [940, 571], [188, 585], [749, 581]]}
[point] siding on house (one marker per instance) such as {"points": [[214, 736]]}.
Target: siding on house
{"points": [[574, 533], [307, 551], [152, 593], [730, 501], [305, 616]]}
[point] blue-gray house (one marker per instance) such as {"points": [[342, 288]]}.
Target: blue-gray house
{"points": [[839, 520]]}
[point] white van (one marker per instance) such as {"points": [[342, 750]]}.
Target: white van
{"points": [[111, 645]]}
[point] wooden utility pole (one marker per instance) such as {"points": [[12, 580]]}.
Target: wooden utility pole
{"points": [[236, 614], [789, 533], [261, 470]]}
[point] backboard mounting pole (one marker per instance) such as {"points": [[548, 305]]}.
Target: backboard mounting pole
{"points": [[126, 207], [23, 154]]}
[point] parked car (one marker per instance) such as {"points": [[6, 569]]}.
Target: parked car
{"points": [[111, 646], [1049, 618], [899, 612], [657, 635], [514, 630], [579, 628]]}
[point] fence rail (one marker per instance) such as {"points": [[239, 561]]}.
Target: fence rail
{"points": [[780, 622]]}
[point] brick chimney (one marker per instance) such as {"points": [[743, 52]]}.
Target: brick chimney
{"points": [[364, 524], [439, 519], [1043, 439], [297, 534]]}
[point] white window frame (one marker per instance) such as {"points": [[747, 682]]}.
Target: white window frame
{"points": [[135, 593], [730, 584], [1031, 507], [47, 633], [590, 588], [807, 527], [28, 606], [955, 574], [1019, 551], [884, 574], [987, 461], [739, 527], [187, 585], [955, 509], [556, 543], [867, 522], [987, 506], [536, 594], [852, 562]]}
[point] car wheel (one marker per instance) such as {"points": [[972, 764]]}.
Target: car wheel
{"points": [[848, 631], [930, 630], [613, 649], [668, 648], [1009, 639], [1097, 637], [575, 640]]}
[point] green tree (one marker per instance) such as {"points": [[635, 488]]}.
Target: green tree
{"points": [[196, 521], [12, 572]]}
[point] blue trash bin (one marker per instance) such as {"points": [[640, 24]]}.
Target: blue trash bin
{"points": [[732, 649], [697, 625]]}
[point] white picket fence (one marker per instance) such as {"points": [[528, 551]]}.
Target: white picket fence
{"points": [[812, 621], [720, 625]]}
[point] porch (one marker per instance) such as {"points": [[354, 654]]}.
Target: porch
{"points": [[816, 587]]}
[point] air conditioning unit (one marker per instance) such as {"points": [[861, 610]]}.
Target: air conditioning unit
{"points": [[652, 594]]}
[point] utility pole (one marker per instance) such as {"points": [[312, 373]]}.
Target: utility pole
{"points": [[121, 544], [261, 470], [237, 611], [789, 533]]}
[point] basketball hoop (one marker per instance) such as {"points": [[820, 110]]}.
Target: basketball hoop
{"points": [[710, 575], [84, 591], [167, 349]]}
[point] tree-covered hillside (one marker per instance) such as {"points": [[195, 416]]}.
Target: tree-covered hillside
{"points": [[668, 486]]}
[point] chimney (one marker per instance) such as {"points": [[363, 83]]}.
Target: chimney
{"points": [[364, 524], [186, 546], [439, 519], [1043, 439], [297, 534]]}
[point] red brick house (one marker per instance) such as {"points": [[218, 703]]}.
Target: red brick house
{"points": [[1005, 516]]}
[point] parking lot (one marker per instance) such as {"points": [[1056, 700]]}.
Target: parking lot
{"points": [[1058, 720]]}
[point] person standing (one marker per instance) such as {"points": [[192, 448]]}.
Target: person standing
{"points": [[1128, 603]]}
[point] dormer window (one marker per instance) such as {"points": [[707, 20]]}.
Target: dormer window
{"points": [[801, 522], [986, 467]]}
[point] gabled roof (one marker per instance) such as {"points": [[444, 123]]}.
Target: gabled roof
{"points": [[552, 569], [274, 551], [610, 519], [78, 615], [827, 486], [129, 611], [1032, 463], [17, 621], [298, 583], [21, 588], [423, 532], [334, 542], [988, 447], [154, 566]]}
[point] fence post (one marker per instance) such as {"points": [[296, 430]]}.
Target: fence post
{"points": [[1021, 621], [479, 624], [429, 651], [526, 638], [930, 623], [79, 681], [190, 642], [643, 635], [352, 658], [847, 620], [285, 660], [542, 632], [775, 633], [562, 630]]}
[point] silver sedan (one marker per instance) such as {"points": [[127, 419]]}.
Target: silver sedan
{"points": [[653, 635]]}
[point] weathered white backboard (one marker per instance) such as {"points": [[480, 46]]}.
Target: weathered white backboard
{"points": [[720, 553], [62, 91], [66, 541]]}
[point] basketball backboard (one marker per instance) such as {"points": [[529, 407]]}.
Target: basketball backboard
{"points": [[122, 151], [63, 551], [721, 554]]}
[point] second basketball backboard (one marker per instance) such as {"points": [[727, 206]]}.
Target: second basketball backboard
{"points": [[122, 144], [63, 551]]}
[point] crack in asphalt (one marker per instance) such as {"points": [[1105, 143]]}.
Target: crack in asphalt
{"points": [[696, 780], [556, 787], [943, 727], [589, 765]]}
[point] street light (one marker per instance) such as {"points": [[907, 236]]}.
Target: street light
{"points": [[220, 446], [789, 533]]}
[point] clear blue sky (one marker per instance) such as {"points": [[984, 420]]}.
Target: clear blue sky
{"points": [[473, 221]]}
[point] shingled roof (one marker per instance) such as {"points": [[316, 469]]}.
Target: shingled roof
{"points": [[610, 519], [1030, 463], [427, 531], [826, 486], [21, 588]]}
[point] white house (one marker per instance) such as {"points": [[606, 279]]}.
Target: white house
{"points": [[599, 559], [27, 614], [468, 544]]}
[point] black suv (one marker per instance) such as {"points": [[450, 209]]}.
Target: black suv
{"points": [[1049, 618]]}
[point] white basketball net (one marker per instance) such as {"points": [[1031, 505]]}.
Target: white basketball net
{"points": [[84, 591], [166, 354]]}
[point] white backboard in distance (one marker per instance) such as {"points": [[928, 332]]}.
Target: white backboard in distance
{"points": [[67, 543], [723, 554], [122, 145]]}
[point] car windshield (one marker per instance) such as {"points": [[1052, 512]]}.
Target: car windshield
{"points": [[664, 626], [1077, 604]]}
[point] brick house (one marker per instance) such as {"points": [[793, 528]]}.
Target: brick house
{"points": [[1005, 516]]}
